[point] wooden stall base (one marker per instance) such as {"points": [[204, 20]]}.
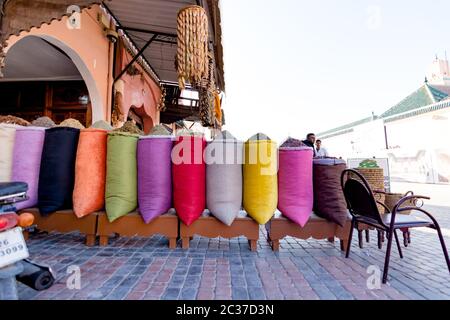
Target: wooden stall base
{"points": [[133, 225], [317, 228], [210, 227], [65, 221]]}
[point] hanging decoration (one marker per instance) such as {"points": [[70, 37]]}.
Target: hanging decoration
{"points": [[192, 52], [162, 101]]}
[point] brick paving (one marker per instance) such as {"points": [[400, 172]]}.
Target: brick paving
{"points": [[144, 268]]}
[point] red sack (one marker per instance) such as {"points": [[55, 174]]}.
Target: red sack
{"points": [[189, 177]]}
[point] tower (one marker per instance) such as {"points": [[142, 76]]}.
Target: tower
{"points": [[439, 71]]}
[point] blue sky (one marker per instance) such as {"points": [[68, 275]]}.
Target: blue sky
{"points": [[295, 66]]}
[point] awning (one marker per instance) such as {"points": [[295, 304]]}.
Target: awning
{"points": [[151, 26]]}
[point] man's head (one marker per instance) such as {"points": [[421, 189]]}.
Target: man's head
{"points": [[311, 137], [318, 143]]}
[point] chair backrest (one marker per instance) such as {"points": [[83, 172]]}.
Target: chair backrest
{"points": [[359, 197]]}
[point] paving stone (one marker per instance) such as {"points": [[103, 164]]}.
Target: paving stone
{"points": [[144, 268]]}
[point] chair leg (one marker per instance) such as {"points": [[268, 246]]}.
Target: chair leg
{"points": [[444, 248], [367, 235], [398, 245], [347, 253], [380, 240], [388, 255], [360, 239]]}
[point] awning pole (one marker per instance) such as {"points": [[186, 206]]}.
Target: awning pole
{"points": [[135, 57]]}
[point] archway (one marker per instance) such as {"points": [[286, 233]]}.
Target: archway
{"points": [[47, 62], [87, 47]]}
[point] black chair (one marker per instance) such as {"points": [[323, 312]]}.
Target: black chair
{"points": [[362, 206]]}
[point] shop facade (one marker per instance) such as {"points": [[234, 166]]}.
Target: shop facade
{"points": [[93, 60]]}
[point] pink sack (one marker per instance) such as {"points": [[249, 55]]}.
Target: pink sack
{"points": [[295, 184], [27, 152]]}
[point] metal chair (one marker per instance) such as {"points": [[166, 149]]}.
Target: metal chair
{"points": [[362, 206]]}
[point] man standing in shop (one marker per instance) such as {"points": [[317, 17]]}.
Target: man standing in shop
{"points": [[321, 152], [310, 140]]}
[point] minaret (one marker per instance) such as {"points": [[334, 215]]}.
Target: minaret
{"points": [[439, 71]]}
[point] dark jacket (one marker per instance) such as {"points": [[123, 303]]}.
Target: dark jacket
{"points": [[311, 145]]}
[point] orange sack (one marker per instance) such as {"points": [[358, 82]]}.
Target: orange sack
{"points": [[90, 172]]}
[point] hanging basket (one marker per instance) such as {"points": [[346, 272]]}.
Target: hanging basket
{"points": [[192, 51]]}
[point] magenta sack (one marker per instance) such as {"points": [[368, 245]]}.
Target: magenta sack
{"points": [[295, 183]]}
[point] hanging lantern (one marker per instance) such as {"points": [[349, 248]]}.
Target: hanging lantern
{"points": [[192, 52]]}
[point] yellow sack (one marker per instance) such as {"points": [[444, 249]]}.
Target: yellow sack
{"points": [[260, 179]]}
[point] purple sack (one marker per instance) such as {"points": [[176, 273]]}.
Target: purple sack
{"points": [[27, 161], [154, 176]]}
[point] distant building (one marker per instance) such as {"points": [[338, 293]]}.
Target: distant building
{"points": [[412, 134]]}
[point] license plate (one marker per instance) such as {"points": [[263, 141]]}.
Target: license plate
{"points": [[12, 247]]}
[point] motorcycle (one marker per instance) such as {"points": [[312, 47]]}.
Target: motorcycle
{"points": [[14, 263]]}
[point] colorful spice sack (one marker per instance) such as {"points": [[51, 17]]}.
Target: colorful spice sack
{"points": [[295, 183], [154, 176], [90, 172], [27, 155], [329, 201], [189, 177], [7, 134], [260, 178], [57, 173], [224, 177], [121, 175]]}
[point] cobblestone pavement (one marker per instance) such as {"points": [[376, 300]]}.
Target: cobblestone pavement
{"points": [[144, 268]]}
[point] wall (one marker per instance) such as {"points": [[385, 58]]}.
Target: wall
{"points": [[88, 48], [140, 92], [366, 140], [418, 151]]}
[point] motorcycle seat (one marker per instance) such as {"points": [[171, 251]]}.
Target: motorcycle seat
{"points": [[11, 188]]}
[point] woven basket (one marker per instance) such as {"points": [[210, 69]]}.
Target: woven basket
{"points": [[391, 200], [375, 178]]}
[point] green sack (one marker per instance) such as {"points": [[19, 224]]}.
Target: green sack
{"points": [[121, 175]]}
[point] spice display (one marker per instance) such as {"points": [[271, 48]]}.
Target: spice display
{"points": [[14, 120], [159, 130], [45, 122], [72, 123], [102, 124], [130, 127]]}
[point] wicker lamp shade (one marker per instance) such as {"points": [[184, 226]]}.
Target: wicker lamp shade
{"points": [[192, 51]]}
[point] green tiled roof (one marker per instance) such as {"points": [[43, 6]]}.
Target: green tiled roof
{"points": [[427, 95], [345, 127], [424, 96]]}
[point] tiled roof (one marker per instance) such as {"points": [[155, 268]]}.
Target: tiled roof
{"points": [[345, 127], [424, 96], [444, 104]]}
